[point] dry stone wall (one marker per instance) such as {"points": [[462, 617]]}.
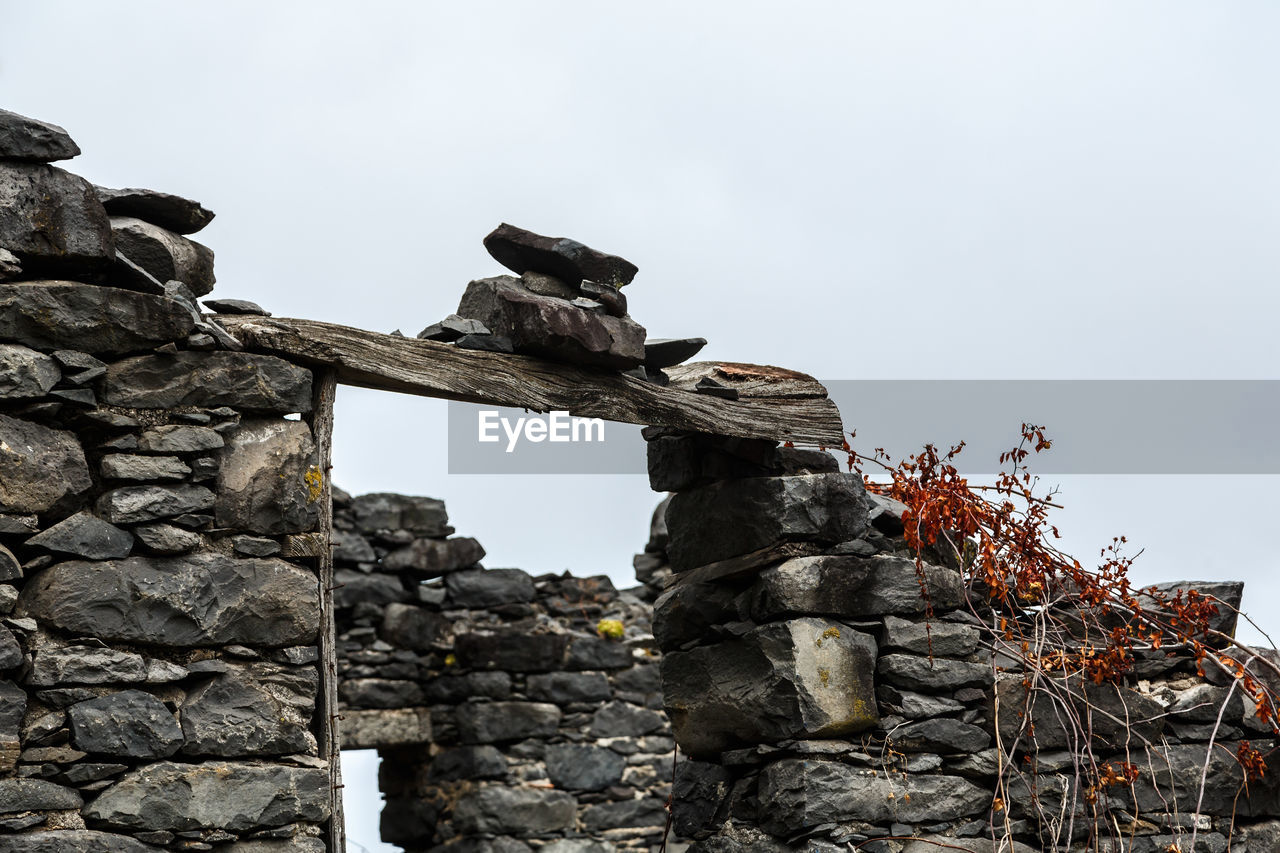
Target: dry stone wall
{"points": [[159, 493], [512, 712]]}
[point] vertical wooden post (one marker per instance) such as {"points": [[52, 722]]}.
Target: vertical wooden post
{"points": [[325, 392]]}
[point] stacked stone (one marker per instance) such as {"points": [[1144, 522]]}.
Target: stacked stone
{"points": [[512, 712], [158, 646], [567, 305], [822, 708]]}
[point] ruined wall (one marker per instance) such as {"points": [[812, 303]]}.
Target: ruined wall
{"points": [[822, 710], [159, 667], [511, 712]]}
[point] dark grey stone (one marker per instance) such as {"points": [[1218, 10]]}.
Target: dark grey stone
{"points": [[248, 381], [941, 735], [1115, 713], [1203, 704], [613, 299], [10, 266], [488, 587], [10, 568], [798, 679], [51, 219], [712, 388], [164, 255], [353, 587], [486, 343], [425, 517], [130, 724], [56, 666], [13, 706], [698, 794], [25, 373], [564, 688], [454, 689], [259, 710], [85, 535], [467, 762], [548, 285], [380, 693], [213, 795], [201, 599], [622, 719], [598, 653], [166, 539], [29, 139], [174, 213], [10, 651], [38, 466], [668, 352], [916, 672], [125, 466], [568, 260], [407, 627], [135, 504], [435, 557], [936, 637], [853, 587], [914, 706], [451, 328], [236, 306], [626, 814], [1227, 593], [52, 315], [495, 722], [20, 525], [351, 547], [521, 811], [552, 328], [179, 438], [76, 841], [583, 768], [737, 517], [269, 480], [800, 794], [20, 795]]}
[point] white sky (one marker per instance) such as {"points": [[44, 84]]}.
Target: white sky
{"points": [[890, 190]]}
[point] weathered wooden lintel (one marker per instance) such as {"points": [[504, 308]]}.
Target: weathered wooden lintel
{"points": [[774, 404]]}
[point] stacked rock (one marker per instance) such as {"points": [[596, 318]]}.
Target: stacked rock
{"points": [[567, 305], [822, 706], [512, 712], [159, 610]]}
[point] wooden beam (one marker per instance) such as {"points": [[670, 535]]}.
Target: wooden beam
{"points": [[773, 403]]}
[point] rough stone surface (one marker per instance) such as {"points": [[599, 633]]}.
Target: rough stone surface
{"points": [[515, 810], [552, 328], [668, 352], [584, 768], [76, 841], [248, 381], [941, 735], [568, 260], [269, 481], [214, 795], [242, 713], [136, 504], [799, 794], [13, 705], [85, 535], [853, 587], [435, 557], [740, 516], [936, 637], [54, 315], [126, 466], [915, 672], [166, 256], [489, 587], [196, 600], [51, 219], [20, 795], [1115, 712], [131, 724], [25, 373], [514, 651], [55, 666], [179, 438], [167, 539], [802, 678], [425, 517], [23, 138], [38, 466], [1229, 593], [494, 722], [173, 213]]}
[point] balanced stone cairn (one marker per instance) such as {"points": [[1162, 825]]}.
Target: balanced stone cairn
{"points": [[567, 305]]}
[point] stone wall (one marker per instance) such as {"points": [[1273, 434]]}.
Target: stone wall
{"points": [[159, 490], [823, 710], [512, 712]]}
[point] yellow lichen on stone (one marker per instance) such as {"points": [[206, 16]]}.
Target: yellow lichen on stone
{"points": [[824, 675], [610, 629], [451, 659], [315, 483]]}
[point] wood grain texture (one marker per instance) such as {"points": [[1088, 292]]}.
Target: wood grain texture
{"points": [[776, 404]]}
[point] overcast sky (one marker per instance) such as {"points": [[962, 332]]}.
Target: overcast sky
{"points": [[981, 190]]}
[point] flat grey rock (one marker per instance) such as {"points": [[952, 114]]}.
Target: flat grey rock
{"points": [[451, 328], [164, 255], [128, 466], [56, 666], [254, 710], [135, 504], [269, 481], [522, 811], [171, 212], [166, 539], [497, 722], [76, 841], [247, 381], [23, 138], [580, 767], [668, 352], [25, 373], [481, 588], [384, 511], [236, 306], [255, 602], [129, 724], [39, 466], [568, 260], [54, 315], [179, 438], [20, 795], [435, 557], [85, 535]]}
